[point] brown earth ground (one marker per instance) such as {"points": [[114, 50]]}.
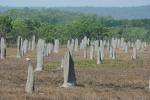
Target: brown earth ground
{"points": [[120, 79]]}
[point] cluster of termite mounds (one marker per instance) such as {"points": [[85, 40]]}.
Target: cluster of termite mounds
{"points": [[96, 50], [68, 70]]}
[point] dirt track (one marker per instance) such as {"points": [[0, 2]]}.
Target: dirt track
{"points": [[127, 81]]}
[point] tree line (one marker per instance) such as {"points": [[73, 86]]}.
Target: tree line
{"points": [[49, 24]]}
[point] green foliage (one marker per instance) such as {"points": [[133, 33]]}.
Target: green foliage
{"points": [[107, 63], [52, 65], [25, 28], [51, 23], [5, 25]]}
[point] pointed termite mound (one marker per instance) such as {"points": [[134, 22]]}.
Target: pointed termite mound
{"points": [[91, 52], [33, 42], [134, 53], [20, 52], [25, 46], [56, 46], [29, 45], [113, 53], [3, 48], [76, 45], [98, 56], [30, 78], [102, 50], [19, 47], [69, 71], [40, 55]]}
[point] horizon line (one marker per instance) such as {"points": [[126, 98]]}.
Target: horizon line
{"points": [[72, 6]]}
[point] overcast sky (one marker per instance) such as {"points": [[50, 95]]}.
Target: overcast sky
{"points": [[53, 3]]}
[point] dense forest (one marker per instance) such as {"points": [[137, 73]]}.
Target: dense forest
{"points": [[49, 23], [138, 12]]}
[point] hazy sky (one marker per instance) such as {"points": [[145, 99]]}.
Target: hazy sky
{"points": [[50, 3]]}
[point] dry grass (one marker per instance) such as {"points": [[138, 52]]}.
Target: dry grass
{"points": [[121, 79]]}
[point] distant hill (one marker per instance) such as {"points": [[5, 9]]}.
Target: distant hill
{"points": [[116, 12], [140, 12]]}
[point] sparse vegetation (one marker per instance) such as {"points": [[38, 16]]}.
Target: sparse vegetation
{"points": [[121, 78], [118, 77]]}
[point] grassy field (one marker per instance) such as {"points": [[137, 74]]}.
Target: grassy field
{"points": [[120, 79]]}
